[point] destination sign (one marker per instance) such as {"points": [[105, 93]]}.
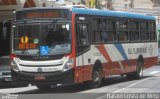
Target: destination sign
{"points": [[51, 13]]}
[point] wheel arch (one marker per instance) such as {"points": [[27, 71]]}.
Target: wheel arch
{"points": [[97, 64]]}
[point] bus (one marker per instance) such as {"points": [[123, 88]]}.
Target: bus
{"points": [[5, 30], [65, 46], [158, 34]]}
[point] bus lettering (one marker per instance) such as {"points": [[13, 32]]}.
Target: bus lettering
{"points": [[137, 50]]}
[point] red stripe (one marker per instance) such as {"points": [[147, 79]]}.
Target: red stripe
{"points": [[13, 2], [77, 77], [112, 68], [104, 52], [5, 2]]}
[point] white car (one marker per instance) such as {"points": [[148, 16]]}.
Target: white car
{"points": [[5, 73]]}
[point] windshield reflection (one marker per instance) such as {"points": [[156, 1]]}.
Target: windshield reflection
{"points": [[51, 38]]}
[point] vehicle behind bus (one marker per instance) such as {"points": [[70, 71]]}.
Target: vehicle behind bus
{"points": [[5, 73]]}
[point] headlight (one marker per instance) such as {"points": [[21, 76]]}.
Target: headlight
{"points": [[69, 64], [14, 65]]}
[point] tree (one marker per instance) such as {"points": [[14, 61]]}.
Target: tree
{"points": [[98, 4]]}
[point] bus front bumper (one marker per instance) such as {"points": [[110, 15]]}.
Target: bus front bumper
{"points": [[54, 78]]}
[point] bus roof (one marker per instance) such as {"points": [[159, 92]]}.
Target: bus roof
{"points": [[111, 13], [97, 12]]}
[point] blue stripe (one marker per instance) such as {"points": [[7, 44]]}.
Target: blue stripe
{"points": [[111, 13], [121, 50]]}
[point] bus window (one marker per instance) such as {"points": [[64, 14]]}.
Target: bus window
{"points": [[134, 36], [134, 30], [110, 29], [98, 27], [152, 31], [133, 25], [122, 27], [82, 37], [97, 37], [110, 25], [122, 36], [144, 31]]}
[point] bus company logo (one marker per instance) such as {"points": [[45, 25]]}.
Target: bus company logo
{"points": [[40, 70]]}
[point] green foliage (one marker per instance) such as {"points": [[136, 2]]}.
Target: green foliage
{"points": [[98, 4]]}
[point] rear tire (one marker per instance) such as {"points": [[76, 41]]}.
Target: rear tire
{"points": [[96, 78], [138, 73]]}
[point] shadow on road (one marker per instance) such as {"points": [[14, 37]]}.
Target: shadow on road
{"points": [[11, 85], [80, 87]]}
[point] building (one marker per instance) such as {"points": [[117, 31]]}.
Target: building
{"points": [[149, 7], [8, 6]]}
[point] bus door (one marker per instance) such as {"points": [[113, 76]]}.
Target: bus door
{"points": [[81, 48]]}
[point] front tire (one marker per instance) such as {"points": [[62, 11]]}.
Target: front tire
{"points": [[96, 78]]}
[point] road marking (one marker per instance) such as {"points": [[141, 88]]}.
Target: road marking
{"points": [[18, 89], [153, 72], [133, 84], [104, 96], [130, 85]]}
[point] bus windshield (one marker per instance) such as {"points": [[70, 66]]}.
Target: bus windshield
{"points": [[42, 38]]}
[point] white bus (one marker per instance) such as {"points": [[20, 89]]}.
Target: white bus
{"points": [[64, 46]]}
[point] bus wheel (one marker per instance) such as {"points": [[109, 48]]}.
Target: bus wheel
{"points": [[138, 73], [139, 70], [43, 87], [96, 78]]}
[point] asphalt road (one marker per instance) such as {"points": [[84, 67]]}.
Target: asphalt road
{"points": [[113, 87]]}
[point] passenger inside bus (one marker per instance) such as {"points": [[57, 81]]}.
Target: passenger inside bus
{"points": [[104, 36], [57, 37], [51, 37]]}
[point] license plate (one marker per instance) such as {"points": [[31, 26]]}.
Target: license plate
{"points": [[8, 79], [39, 77]]}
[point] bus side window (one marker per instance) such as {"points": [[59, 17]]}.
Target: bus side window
{"points": [[134, 30], [152, 31], [97, 25], [83, 33], [122, 27], [144, 31]]}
